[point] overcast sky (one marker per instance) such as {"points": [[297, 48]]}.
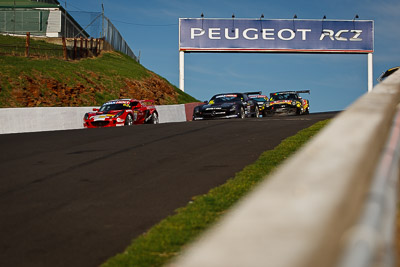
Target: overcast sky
{"points": [[151, 29]]}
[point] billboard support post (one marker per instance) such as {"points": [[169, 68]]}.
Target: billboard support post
{"points": [[370, 73], [182, 70]]}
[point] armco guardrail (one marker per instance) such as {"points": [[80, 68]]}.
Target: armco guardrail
{"points": [[312, 210], [21, 120]]}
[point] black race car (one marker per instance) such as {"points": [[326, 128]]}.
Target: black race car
{"points": [[231, 105], [288, 102], [387, 73], [262, 101]]}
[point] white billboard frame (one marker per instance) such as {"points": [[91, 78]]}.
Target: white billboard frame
{"points": [[369, 53]]}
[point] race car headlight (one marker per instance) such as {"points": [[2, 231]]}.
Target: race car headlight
{"points": [[233, 108], [86, 117], [293, 103], [119, 114]]}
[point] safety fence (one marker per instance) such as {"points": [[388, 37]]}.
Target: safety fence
{"points": [[99, 26], [52, 24], [115, 39], [62, 48]]}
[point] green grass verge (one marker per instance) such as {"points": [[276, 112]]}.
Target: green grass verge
{"points": [[165, 240]]}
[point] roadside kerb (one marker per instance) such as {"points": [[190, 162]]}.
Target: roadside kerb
{"points": [[303, 214]]}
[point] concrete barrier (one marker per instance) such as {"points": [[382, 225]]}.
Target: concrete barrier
{"points": [[304, 213], [21, 120]]}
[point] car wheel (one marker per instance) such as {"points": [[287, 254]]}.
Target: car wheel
{"points": [[129, 120], [154, 118], [241, 114], [257, 112]]}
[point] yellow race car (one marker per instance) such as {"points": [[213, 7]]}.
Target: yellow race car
{"points": [[289, 103]]}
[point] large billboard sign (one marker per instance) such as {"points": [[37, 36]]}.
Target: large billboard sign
{"points": [[262, 35]]}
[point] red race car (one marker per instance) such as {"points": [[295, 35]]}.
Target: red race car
{"points": [[122, 112]]}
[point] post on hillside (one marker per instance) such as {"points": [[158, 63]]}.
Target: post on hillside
{"points": [[86, 48], [28, 41], [81, 48], [95, 47], [101, 40], [102, 20], [91, 46], [64, 49], [75, 52]]}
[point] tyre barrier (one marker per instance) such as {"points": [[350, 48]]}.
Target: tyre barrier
{"points": [[333, 203]]}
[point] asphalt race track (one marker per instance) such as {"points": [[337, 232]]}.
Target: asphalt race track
{"points": [[78, 197]]}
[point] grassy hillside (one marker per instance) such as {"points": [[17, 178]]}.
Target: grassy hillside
{"points": [[32, 82]]}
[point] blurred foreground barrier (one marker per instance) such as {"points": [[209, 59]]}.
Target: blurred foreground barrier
{"points": [[332, 204]]}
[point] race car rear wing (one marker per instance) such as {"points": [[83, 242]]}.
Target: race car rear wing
{"points": [[290, 92], [254, 93], [303, 92]]}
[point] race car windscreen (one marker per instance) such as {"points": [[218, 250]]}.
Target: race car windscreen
{"points": [[109, 107], [259, 99], [275, 97], [224, 98]]}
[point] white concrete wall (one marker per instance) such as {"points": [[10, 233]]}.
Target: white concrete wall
{"points": [[20, 120]]}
